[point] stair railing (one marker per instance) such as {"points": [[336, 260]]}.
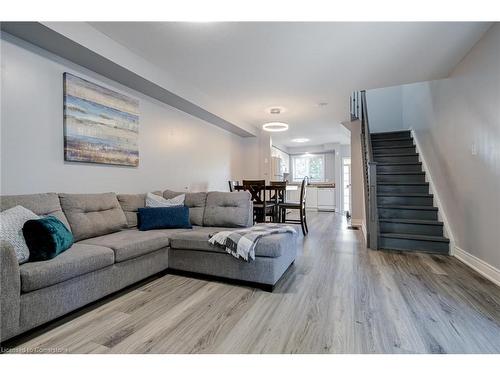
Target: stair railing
{"points": [[354, 105], [359, 111]]}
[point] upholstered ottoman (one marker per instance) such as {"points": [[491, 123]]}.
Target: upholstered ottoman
{"points": [[191, 253]]}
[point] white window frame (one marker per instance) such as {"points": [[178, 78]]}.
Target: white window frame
{"points": [[295, 157]]}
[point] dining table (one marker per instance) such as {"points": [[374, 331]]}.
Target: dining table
{"points": [[272, 187], [276, 191]]}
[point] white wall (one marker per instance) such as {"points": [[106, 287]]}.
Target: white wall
{"points": [[357, 184], [385, 112], [177, 151], [457, 123], [252, 155]]}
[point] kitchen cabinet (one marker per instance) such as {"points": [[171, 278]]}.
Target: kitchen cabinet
{"points": [[293, 196], [312, 198], [317, 198], [326, 199]]}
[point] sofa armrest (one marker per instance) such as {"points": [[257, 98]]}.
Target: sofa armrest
{"points": [[10, 291]]}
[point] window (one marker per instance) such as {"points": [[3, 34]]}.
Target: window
{"points": [[312, 166]]}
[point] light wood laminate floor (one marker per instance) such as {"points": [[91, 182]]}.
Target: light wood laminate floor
{"points": [[338, 297]]}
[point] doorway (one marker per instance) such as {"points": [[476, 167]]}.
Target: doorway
{"points": [[346, 185]]}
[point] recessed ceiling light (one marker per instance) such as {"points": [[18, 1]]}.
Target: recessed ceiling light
{"points": [[276, 110], [300, 140], [275, 127]]}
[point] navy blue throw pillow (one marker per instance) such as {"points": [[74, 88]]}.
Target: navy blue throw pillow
{"points": [[163, 218], [46, 238]]}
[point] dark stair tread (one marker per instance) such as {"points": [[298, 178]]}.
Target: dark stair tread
{"points": [[393, 132], [385, 147], [402, 183], [412, 221], [400, 172], [405, 195], [405, 207], [425, 251], [395, 155], [394, 137], [420, 237], [404, 138], [400, 163]]}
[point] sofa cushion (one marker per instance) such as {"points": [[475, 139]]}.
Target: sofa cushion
{"points": [[197, 239], [171, 232], [131, 243], [228, 209], [79, 259], [195, 201], [269, 246], [131, 203], [92, 215], [41, 204]]}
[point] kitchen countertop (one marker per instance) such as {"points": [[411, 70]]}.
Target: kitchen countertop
{"points": [[320, 185]]}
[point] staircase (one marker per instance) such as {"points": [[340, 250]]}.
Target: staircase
{"points": [[407, 218]]}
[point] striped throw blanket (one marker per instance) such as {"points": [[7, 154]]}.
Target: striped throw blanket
{"points": [[241, 243]]}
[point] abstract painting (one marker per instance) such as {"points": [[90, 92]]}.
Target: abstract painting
{"points": [[100, 125]]}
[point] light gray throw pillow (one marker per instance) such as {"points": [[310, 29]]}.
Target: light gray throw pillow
{"points": [[153, 200], [11, 230]]}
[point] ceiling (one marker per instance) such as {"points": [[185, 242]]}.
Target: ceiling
{"points": [[248, 67]]}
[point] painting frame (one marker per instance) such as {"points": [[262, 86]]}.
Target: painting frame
{"points": [[101, 126]]}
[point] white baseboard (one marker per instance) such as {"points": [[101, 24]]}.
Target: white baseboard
{"points": [[485, 269], [360, 223]]}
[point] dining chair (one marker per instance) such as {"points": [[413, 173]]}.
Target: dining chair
{"points": [[261, 206], [301, 206], [232, 184], [278, 196]]}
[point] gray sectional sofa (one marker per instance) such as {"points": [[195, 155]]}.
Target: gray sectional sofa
{"points": [[110, 253]]}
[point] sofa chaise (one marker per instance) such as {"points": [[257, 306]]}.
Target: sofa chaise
{"points": [[110, 253]]}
